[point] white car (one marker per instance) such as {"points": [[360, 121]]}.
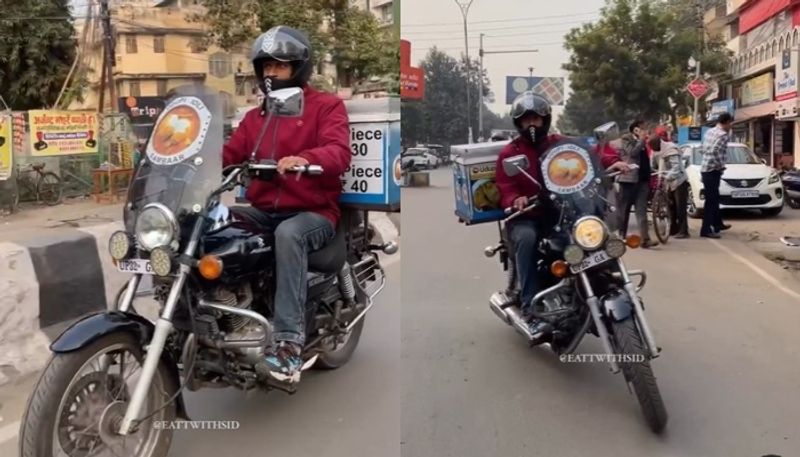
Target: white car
{"points": [[747, 183], [419, 159]]}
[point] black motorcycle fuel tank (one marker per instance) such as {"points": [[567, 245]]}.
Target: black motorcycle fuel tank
{"points": [[243, 251]]}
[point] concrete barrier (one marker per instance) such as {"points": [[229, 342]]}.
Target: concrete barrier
{"points": [[48, 283]]}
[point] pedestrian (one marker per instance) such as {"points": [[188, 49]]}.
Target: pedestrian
{"points": [[609, 156], [669, 164], [636, 185], [715, 150]]}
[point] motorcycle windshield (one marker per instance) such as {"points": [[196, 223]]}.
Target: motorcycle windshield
{"points": [[182, 164], [573, 177]]}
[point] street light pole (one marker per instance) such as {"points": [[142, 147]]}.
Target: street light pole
{"points": [[464, 6], [696, 117], [480, 94], [530, 72]]}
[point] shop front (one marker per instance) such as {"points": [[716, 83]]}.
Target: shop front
{"points": [[788, 111], [754, 121]]}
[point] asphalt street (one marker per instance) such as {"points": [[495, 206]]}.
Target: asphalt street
{"points": [[725, 317], [352, 411]]}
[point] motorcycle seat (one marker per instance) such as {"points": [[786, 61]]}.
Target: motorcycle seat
{"points": [[331, 257]]}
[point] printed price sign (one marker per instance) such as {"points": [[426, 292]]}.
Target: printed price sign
{"points": [[366, 172]]}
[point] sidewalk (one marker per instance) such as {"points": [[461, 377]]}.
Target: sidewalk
{"points": [[34, 220]]}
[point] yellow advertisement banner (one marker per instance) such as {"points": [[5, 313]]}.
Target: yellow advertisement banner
{"points": [[55, 133], [757, 90], [6, 140]]}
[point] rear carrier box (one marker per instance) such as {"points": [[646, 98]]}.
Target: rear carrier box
{"points": [[476, 194], [372, 182]]}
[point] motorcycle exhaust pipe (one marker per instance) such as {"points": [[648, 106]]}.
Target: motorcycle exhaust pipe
{"points": [[497, 302], [519, 323]]}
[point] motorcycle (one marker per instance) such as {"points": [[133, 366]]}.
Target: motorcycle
{"points": [[114, 374], [791, 182], [585, 285]]}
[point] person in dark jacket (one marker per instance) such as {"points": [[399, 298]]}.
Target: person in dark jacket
{"points": [[302, 210], [636, 186]]}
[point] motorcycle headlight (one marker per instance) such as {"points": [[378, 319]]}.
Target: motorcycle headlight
{"points": [[119, 245], [615, 248], [590, 233], [773, 178], [156, 226]]}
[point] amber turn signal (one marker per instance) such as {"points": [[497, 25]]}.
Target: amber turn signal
{"points": [[633, 241], [210, 267], [559, 268]]}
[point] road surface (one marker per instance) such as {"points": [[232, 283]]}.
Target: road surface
{"points": [[472, 388]]}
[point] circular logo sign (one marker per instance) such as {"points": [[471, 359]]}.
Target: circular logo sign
{"points": [[397, 171], [180, 131], [567, 169]]}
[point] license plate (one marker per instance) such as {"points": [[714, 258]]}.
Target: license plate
{"points": [[592, 260], [139, 266], [744, 194]]}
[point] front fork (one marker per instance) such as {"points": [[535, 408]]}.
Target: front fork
{"points": [[162, 331], [593, 302]]}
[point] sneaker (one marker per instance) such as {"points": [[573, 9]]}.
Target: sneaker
{"points": [[713, 235], [681, 236], [725, 227], [647, 244], [540, 331], [285, 362]]}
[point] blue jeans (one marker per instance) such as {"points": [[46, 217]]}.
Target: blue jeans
{"points": [[524, 235], [296, 234]]}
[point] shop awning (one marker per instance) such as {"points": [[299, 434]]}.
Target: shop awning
{"points": [[750, 112]]}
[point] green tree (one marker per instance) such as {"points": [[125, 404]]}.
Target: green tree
{"points": [[583, 112], [35, 54], [635, 57], [354, 39], [441, 116]]}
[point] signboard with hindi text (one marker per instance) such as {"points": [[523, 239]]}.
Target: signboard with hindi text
{"points": [[56, 133]]}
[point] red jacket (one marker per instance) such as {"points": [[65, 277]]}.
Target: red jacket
{"points": [[608, 155], [513, 187], [321, 136]]}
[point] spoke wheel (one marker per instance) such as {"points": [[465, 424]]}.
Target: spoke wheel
{"points": [[50, 189]]}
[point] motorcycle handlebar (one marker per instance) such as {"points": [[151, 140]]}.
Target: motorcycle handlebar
{"points": [[513, 213], [312, 170]]}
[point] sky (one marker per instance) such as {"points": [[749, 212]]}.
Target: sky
{"points": [[507, 25]]}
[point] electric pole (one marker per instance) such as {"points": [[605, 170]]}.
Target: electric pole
{"points": [[464, 6], [481, 52], [107, 77]]}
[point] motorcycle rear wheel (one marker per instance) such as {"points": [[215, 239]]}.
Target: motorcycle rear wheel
{"points": [[334, 359], [43, 431], [640, 374]]}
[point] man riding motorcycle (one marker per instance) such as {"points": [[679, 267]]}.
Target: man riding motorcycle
{"points": [[532, 117], [302, 211]]}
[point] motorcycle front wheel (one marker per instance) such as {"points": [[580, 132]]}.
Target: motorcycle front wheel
{"points": [[639, 374], [81, 397]]}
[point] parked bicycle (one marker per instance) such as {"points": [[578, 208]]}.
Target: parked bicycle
{"points": [[659, 209], [36, 184]]}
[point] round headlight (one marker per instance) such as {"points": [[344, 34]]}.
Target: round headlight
{"points": [[155, 226], [573, 254], [615, 248], [119, 245], [161, 261], [590, 233]]}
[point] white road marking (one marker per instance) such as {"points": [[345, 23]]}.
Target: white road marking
{"points": [[772, 280], [9, 432]]}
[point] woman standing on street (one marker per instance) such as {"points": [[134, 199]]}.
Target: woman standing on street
{"points": [[668, 161]]}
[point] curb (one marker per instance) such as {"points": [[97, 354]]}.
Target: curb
{"points": [[47, 283]]}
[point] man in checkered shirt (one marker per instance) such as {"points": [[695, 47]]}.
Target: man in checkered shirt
{"points": [[715, 150]]}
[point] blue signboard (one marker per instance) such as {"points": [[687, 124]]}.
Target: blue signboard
{"points": [[724, 106]]}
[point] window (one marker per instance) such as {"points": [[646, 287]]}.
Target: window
{"points": [[196, 45], [135, 90], [161, 87], [158, 44], [220, 65], [131, 45]]}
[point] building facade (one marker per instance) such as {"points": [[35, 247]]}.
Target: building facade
{"points": [[764, 36]]}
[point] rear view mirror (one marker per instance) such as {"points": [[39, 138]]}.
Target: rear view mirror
{"points": [[764, 161], [286, 102], [607, 132], [514, 165]]}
